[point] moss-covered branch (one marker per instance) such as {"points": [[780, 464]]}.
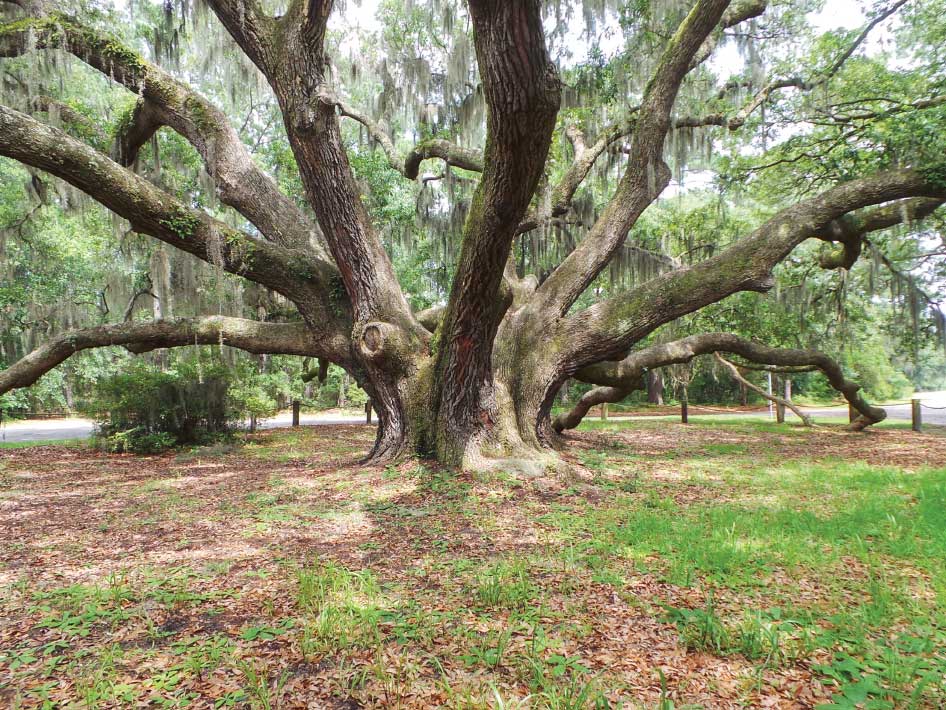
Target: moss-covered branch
{"points": [[252, 336], [165, 101], [152, 211], [610, 327], [618, 379]]}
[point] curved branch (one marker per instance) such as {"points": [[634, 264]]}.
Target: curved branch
{"points": [[249, 335], [450, 153], [592, 398], [152, 211], [646, 175], [627, 375], [138, 128], [165, 101], [734, 371], [610, 327], [409, 165], [377, 133], [849, 231], [430, 317]]}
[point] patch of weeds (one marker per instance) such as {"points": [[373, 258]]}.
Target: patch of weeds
{"points": [[597, 461], [343, 608], [76, 609], [506, 584], [263, 692], [700, 629], [98, 686], [487, 650], [267, 633], [203, 655], [559, 681], [441, 482], [724, 449]]}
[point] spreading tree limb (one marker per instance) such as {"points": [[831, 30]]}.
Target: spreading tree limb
{"points": [[618, 379], [610, 327], [249, 335], [165, 101], [159, 214], [646, 174]]}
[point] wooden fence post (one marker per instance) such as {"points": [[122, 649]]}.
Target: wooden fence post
{"points": [[779, 407], [684, 414], [368, 411], [296, 407], [604, 412], [917, 415]]}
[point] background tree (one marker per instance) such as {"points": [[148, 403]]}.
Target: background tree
{"points": [[530, 259]]}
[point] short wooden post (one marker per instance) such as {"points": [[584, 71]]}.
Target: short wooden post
{"points": [[684, 414], [917, 415], [296, 407], [252, 423], [780, 408], [368, 411], [604, 412]]}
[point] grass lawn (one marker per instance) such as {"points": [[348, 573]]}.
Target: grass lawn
{"points": [[717, 565]]}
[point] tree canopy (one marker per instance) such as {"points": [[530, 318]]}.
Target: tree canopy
{"points": [[465, 205]]}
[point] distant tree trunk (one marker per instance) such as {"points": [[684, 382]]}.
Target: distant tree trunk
{"points": [[343, 391], [655, 387]]}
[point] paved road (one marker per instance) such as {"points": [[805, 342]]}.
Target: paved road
{"points": [[933, 411], [76, 428]]}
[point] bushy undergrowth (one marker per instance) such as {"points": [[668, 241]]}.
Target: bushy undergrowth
{"points": [[144, 409]]}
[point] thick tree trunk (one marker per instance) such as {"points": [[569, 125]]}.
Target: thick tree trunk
{"points": [[512, 411]]}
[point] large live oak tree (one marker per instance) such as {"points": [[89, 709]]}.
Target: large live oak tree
{"points": [[474, 381]]}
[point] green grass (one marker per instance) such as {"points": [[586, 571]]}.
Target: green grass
{"points": [[869, 540]]}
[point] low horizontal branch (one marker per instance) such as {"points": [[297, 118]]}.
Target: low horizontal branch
{"points": [[625, 376], [249, 335]]}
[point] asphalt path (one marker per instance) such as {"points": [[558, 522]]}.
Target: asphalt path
{"points": [[77, 428], [934, 413]]}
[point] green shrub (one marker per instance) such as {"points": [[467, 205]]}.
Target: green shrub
{"points": [[144, 410], [137, 441]]}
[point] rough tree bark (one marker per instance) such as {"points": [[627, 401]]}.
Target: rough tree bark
{"points": [[471, 382]]}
